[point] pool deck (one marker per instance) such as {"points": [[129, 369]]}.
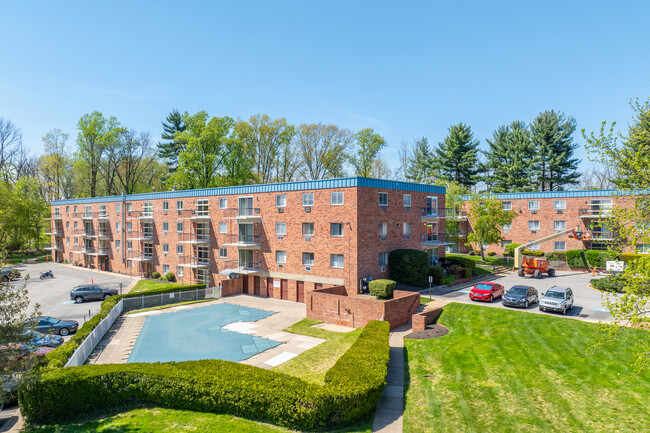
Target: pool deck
{"points": [[117, 345]]}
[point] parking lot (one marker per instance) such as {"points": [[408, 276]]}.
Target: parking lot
{"points": [[53, 294], [588, 303]]}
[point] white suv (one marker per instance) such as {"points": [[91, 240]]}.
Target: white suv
{"points": [[557, 299]]}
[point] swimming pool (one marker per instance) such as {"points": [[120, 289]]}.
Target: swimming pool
{"points": [[198, 333]]}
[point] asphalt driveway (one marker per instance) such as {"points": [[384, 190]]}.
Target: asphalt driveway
{"points": [[588, 302]]}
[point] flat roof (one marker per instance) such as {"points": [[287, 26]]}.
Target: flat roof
{"points": [[561, 194], [305, 185]]}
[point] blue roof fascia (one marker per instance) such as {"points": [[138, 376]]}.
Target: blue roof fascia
{"points": [[346, 182], [560, 194]]}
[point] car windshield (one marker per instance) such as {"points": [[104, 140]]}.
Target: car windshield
{"points": [[52, 320], [552, 294], [518, 291], [483, 287]]}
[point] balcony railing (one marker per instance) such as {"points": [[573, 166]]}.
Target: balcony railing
{"points": [[244, 241], [137, 235], [194, 261], [56, 231], [139, 214], [86, 215], [92, 233], [55, 216], [139, 255], [244, 214], [595, 213], [244, 267], [91, 250], [194, 238], [53, 247], [602, 235]]}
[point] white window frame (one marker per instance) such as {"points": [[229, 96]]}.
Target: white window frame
{"points": [[383, 229], [179, 227], [308, 199], [223, 227], [383, 259], [281, 200], [118, 243], [336, 202], [405, 202], [332, 225], [179, 271], [555, 226], [179, 204], [165, 205], [384, 195], [179, 249], [280, 229], [559, 204], [165, 227], [556, 243], [223, 203], [407, 229], [223, 252], [313, 229], [310, 259], [332, 261], [165, 269], [531, 226], [165, 248], [506, 205], [506, 227], [533, 204], [280, 257]]}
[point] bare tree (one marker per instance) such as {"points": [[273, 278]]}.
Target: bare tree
{"points": [[323, 150], [288, 162], [597, 176], [11, 140], [135, 158]]}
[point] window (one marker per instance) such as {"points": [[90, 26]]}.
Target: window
{"points": [[165, 248], [281, 257], [118, 243], [383, 259], [308, 229], [76, 241], [67, 225], [75, 209], [179, 271], [179, 249], [202, 207], [506, 205], [643, 248], [223, 227], [407, 200], [559, 246], [129, 207], [336, 229], [507, 226], [308, 199], [559, 204], [165, 227], [117, 208], [129, 245], [504, 243], [67, 210], [383, 229], [280, 229], [67, 241], [128, 226], [179, 227], [406, 229], [165, 269], [280, 200], [533, 247], [533, 225], [336, 260], [165, 208], [336, 198], [559, 226], [223, 203], [383, 199], [75, 225], [179, 204], [223, 252], [533, 205], [308, 259]]}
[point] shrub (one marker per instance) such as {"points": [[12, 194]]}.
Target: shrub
{"points": [[556, 255], [382, 289], [351, 390], [467, 272], [628, 257], [472, 253], [455, 270], [594, 258], [437, 273], [510, 249], [448, 279], [576, 259], [408, 267], [463, 262], [608, 284], [532, 253], [155, 274], [169, 276], [492, 253]]}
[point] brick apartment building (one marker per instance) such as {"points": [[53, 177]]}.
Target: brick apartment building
{"points": [[282, 239], [541, 214]]}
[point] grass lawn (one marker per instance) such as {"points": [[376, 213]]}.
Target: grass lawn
{"points": [[478, 271], [16, 258], [149, 285], [160, 420], [510, 371], [497, 261], [312, 364], [164, 307]]}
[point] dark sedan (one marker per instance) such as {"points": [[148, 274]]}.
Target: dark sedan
{"points": [[91, 293], [50, 325], [520, 296], [36, 340]]}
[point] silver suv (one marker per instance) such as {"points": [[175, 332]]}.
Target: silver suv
{"points": [[557, 299]]}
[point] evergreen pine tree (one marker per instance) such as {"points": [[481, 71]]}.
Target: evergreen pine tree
{"points": [[551, 134], [420, 163], [170, 149], [457, 156], [511, 159]]}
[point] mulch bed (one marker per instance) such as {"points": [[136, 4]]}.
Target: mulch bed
{"points": [[432, 331]]}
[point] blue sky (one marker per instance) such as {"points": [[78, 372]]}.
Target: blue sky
{"points": [[406, 69]]}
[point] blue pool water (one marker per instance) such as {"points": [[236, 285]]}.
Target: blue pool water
{"points": [[198, 333]]}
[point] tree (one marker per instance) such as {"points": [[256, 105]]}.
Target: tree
{"points": [[323, 150], [369, 144], [266, 139], [171, 148], [11, 141], [511, 159], [453, 203], [419, 162], [551, 135], [288, 163], [457, 156], [597, 176], [55, 166], [380, 169], [487, 219], [630, 224], [134, 159], [95, 131]]}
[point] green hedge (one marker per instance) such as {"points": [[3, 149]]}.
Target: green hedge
{"points": [[59, 356], [408, 267], [436, 272], [467, 272], [608, 284], [382, 289], [533, 253], [595, 258], [556, 255], [628, 257], [351, 390], [510, 249], [463, 262]]}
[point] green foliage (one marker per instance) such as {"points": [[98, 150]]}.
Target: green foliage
{"points": [[455, 270], [594, 258], [576, 258], [171, 148], [437, 273], [533, 253], [491, 253], [463, 262], [628, 257], [487, 218], [351, 390], [419, 162], [511, 159], [609, 284], [448, 279], [169, 276], [408, 267], [369, 144], [323, 150], [155, 274], [382, 289], [467, 272], [556, 255], [510, 249], [457, 156]]}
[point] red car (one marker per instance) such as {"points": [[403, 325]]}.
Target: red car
{"points": [[485, 291]]}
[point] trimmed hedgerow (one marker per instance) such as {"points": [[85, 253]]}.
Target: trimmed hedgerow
{"points": [[463, 262], [59, 356], [408, 266], [532, 253], [556, 255], [351, 390], [467, 272], [608, 284], [382, 289], [628, 257], [436, 272], [594, 258]]}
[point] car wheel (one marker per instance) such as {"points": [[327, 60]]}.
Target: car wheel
{"points": [[106, 296], [538, 274], [79, 299], [526, 304], [564, 311], [64, 331], [571, 307], [541, 309], [491, 298], [551, 272], [521, 272]]}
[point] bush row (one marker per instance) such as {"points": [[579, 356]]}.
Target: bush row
{"points": [[608, 284], [351, 390], [532, 253], [382, 289], [59, 356], [408, 266], [594, 258]]}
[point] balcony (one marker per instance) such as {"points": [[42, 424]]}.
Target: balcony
{"points": [[195, 214], [86, 215], [436, 240], [194, 238], [54, 231], [241, 267], [139, 256], [53, 247], [430, 214], [194, 262], [458, 215], [55, 216], [100, 234], [595, 213], [139, 236], [140, 215], [244, 242], [245, 214], [602, 235], [91, 251]]}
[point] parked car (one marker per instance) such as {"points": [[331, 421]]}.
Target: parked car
{"points": [[50, 325], [36, 339], [557, 299], [520, 296], [486, 291], [7, 275], [91, 293]]}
